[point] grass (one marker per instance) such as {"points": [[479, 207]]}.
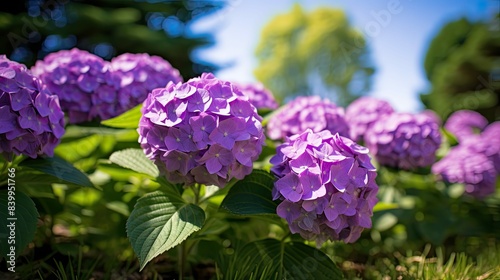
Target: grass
{"points": [[432, 263], [458, 266]]}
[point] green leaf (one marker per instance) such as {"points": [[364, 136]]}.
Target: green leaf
{"points": [[129, 119], [252, 195], [59, 168], [160, 222], [22, 218], [136, 160], [283, 260], [384, 206], [450, 137]]}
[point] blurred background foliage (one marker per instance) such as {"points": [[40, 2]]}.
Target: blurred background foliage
{"points": [[314, 53], [462, 65], [33, 28]]}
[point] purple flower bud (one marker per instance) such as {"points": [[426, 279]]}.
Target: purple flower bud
{"points": [[307, 112], [363, 113], [259, 96], [202, 131], [405, 141], [31, 121], [465, 123], [464, 165], [327, 188]]}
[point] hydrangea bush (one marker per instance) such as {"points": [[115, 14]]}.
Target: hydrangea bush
{"points": [[307, 112], [31, 120], [207, 132], [326, 184], [204, 131], [406, 141]]}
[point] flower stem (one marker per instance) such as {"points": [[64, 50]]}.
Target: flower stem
{"points": [[196, 190], [182, 259]]}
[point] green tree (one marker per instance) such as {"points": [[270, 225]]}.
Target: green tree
{"points": [[32, 29], [463, 67], [316, 53]]}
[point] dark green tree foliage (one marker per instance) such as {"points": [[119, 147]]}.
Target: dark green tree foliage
{"points": [[463, 64], [33, 28]]}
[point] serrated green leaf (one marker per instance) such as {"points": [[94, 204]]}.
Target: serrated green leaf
{"points": [[129, 119], [59, 168], [283, 260], [23, 217], [252, 195], [136, 160], [160, 222]]}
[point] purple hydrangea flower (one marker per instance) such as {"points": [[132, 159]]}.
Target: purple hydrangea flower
{"points": [[465, 123], [82, 81], [259, 96], [31, 120], [326, 184], [307, 112], [204, 131], [363, 112], [138, 74], [405, 141], [465, 165]]}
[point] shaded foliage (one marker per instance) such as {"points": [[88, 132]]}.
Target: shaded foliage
{"points": [[32, 29], [462, 65]]}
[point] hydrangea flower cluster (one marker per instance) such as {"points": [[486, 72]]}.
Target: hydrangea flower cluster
{"points": [[82, 81], [465, 123], [326, 184], [406, 141], [363, 112], [307, 112], [469, 167], [138, 74], [259, 96], [31, 120], [204, 131]]}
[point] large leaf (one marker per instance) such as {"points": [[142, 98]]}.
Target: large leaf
{"points": [[135, 159], [283, 260], [19, 217], [160, 222], [59, 168], [252, 195], [129, 119]]}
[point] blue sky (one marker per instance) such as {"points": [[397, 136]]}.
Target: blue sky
{"points": [[398, 33]]}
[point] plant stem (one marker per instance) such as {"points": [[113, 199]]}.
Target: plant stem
{"points": [[182, 259], [196, 190]]}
